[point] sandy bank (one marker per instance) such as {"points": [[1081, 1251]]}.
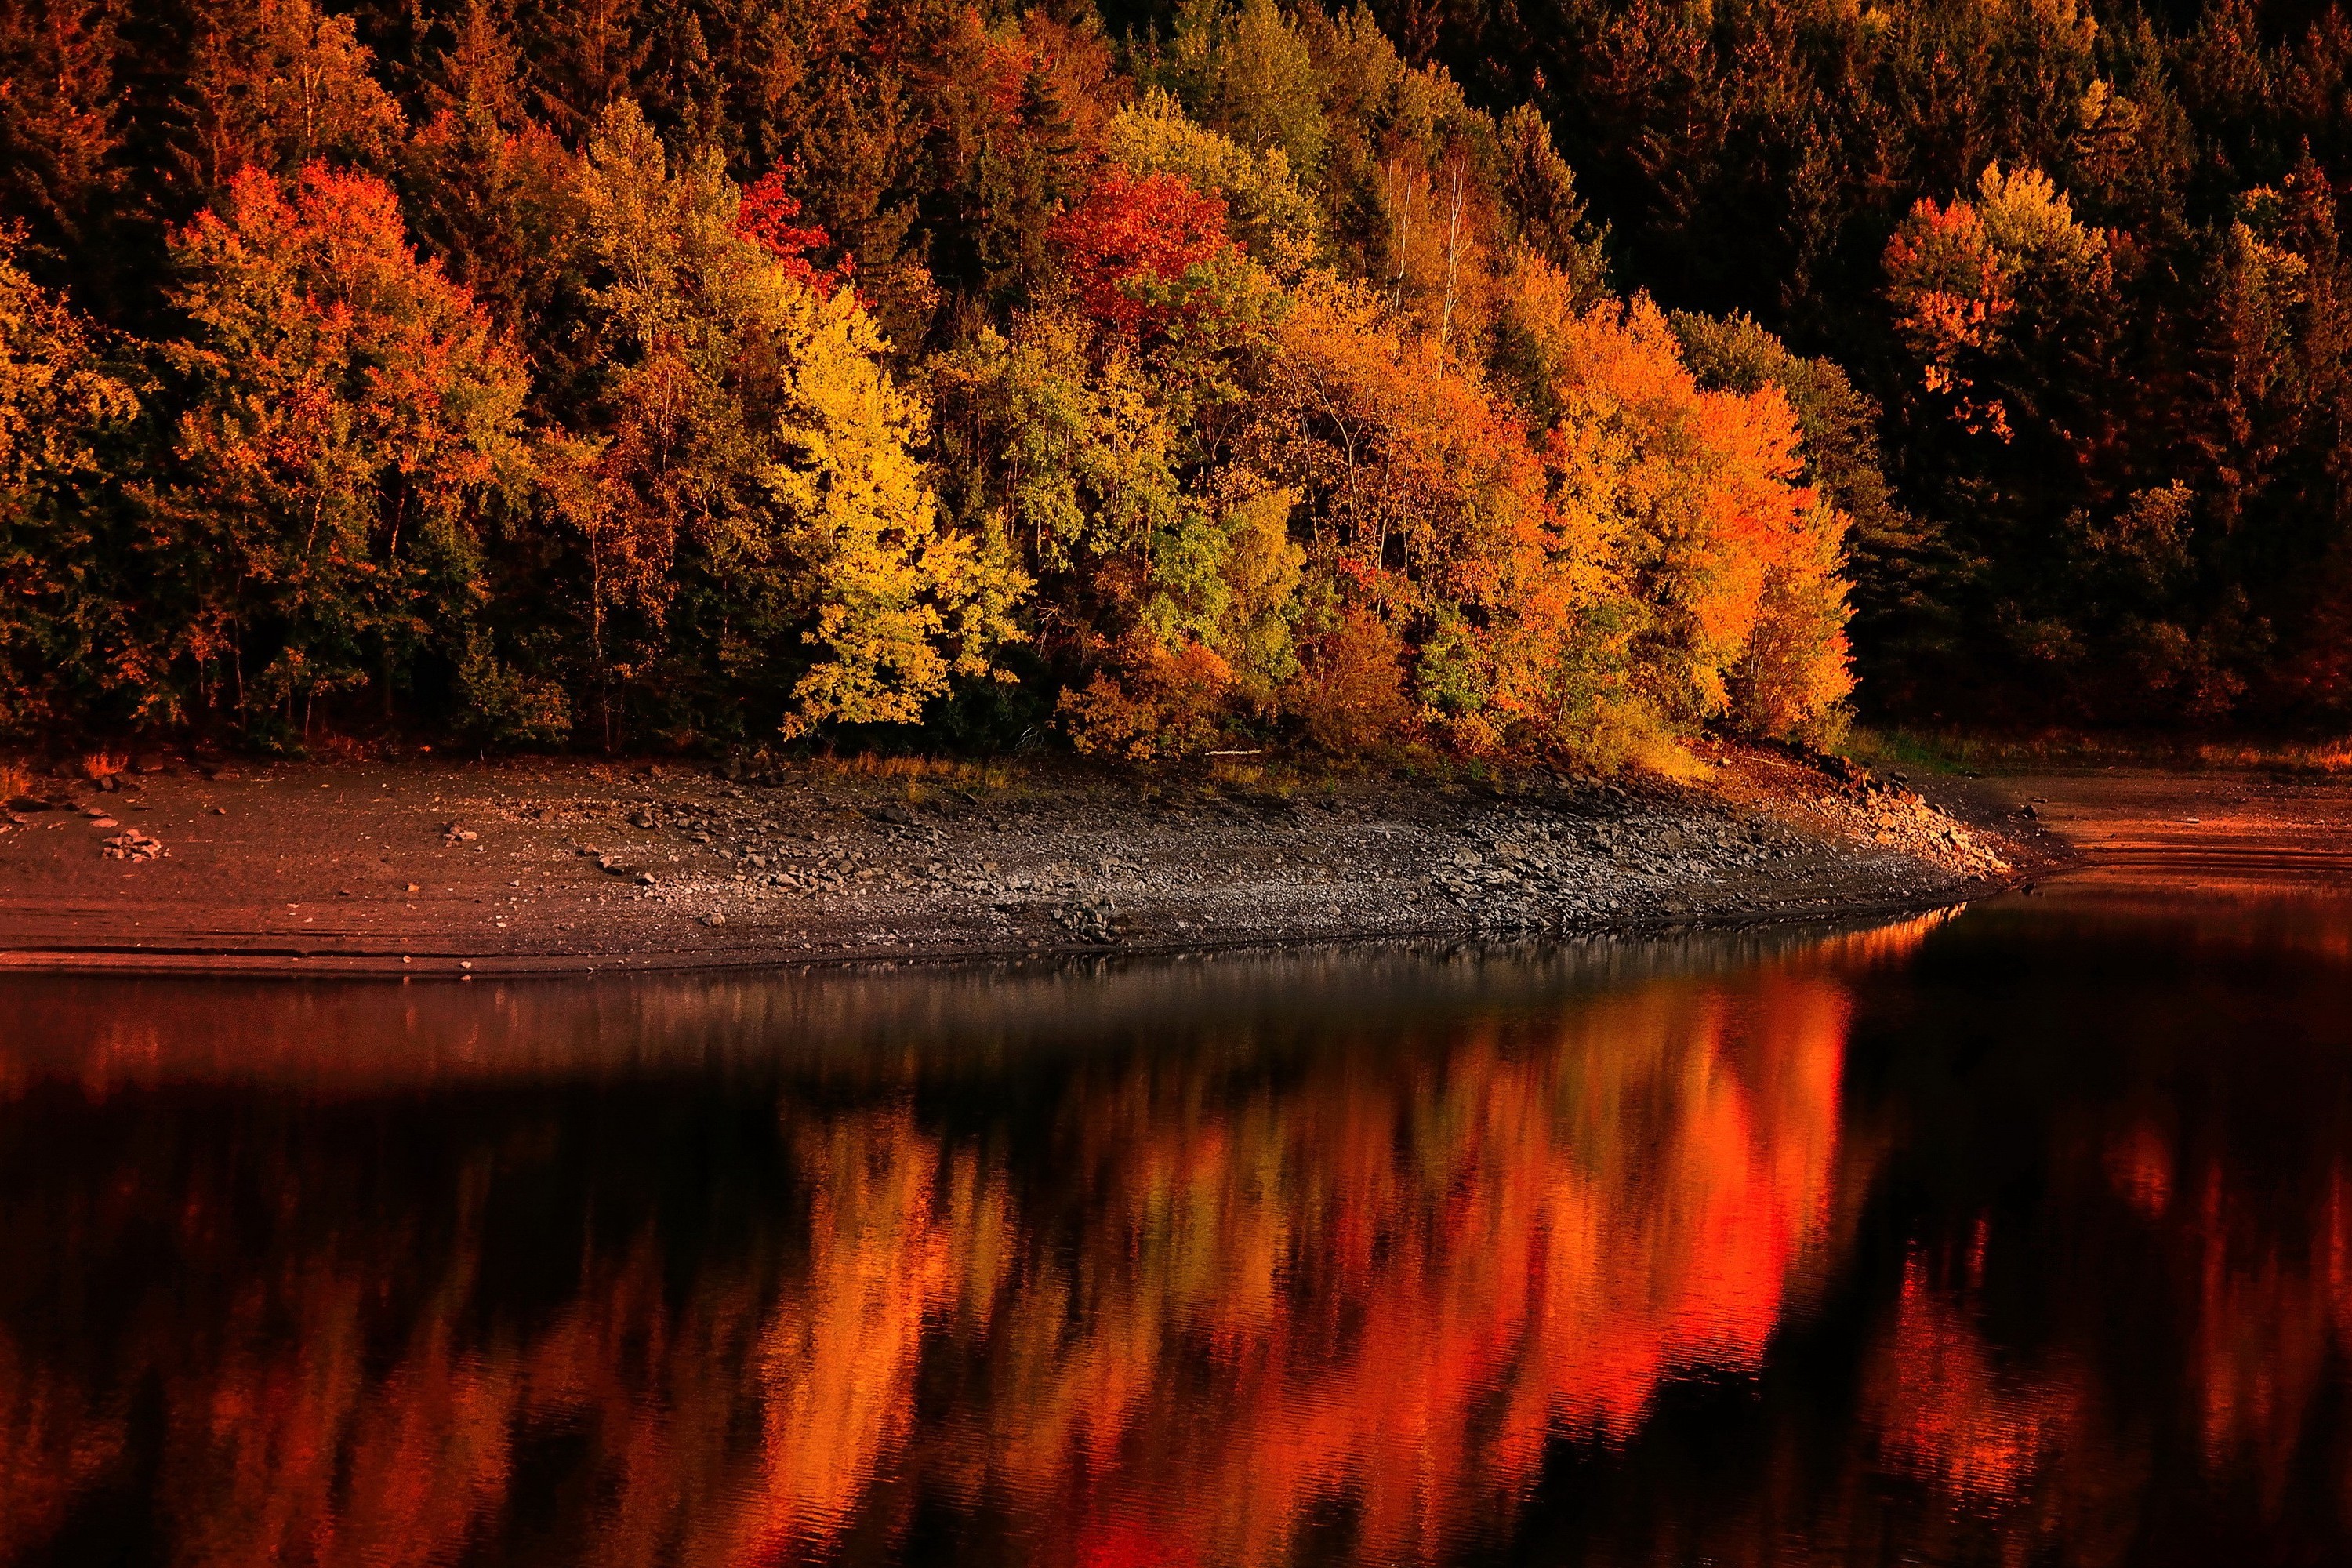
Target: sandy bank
{"points": [[424, 867]]}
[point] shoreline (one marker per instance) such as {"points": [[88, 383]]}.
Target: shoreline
{"points": [[566, 868]]}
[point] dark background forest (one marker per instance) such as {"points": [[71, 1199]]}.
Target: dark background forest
{"points": [[1551, 378]]}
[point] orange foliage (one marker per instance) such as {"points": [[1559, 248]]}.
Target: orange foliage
{"points": [[1350, 693], [1737, 557], [349, 412], [1434, 508], [1153, 701], [1951, 298]]}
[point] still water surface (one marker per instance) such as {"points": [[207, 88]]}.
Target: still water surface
{"points": [[2019, 1236]]}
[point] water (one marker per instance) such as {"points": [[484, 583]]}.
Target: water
{"points": [[2018, 1236]]}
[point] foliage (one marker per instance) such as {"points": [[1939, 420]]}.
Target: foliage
{"points": [[347, 419], [1130, 243], [1266, 209], [71, 643], [751, 480], [624, 375]]}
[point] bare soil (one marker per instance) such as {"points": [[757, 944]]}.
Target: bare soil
{"points": [[423, 866], [2183, 827]]}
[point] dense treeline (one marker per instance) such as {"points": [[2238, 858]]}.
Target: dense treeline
{"points": [[600, 373], [590, 373], [2086, 256]]}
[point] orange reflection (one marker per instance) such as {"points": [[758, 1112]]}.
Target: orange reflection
{"points": [[1945, 1411], [1231, 1289], [1392, 1290]]}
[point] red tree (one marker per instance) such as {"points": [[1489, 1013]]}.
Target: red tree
{"points": [[1129, 233], [767, 217]]}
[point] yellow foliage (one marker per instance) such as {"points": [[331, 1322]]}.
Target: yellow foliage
{"points": [[902, 604], [1261, 577], [758, 428], [1278, 221]]}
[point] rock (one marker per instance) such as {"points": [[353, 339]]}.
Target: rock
{"points": [[133, 845], [1091, 921], [715, 917]]}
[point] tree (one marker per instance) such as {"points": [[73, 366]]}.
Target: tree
{"points": [[1903, 572], [1131, 243], [74, 644], [1544, 208], [1731, 564], [754, 470], [61, 126], [278, 84], [1429, 515], [1265, 208], [493, 194], [349, 422]]}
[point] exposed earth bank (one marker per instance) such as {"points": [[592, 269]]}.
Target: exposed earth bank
{"points": [[426, 867]]}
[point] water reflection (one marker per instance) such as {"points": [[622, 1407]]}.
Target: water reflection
{"points": [[2025, 1236]]}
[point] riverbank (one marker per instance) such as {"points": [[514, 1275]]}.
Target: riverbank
{"points": [[421, 866]]}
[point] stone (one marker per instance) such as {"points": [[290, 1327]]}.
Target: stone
{"points": [[133, 845]]}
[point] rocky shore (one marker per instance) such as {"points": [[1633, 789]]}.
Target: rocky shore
{"points": [[421, 866]]}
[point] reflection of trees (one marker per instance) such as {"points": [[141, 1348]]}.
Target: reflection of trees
{"points": [[1386, 1291], [2111, 1319], [1220, 1298], [334, 1408], [1943, 1407]]}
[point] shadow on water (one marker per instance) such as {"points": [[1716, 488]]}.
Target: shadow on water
{"points": [[2019, 1236]]}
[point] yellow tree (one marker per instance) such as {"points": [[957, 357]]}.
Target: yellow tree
{"points": [[747, 489]]}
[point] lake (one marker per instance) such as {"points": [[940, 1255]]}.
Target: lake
{"points": [[2017, 1234]]}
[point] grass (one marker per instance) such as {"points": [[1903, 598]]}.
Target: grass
{"points": [[1953, 751], [2294, 757], [1911, 751]]}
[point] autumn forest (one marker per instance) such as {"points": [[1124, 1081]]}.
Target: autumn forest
{"points": [[1544, 381]]}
